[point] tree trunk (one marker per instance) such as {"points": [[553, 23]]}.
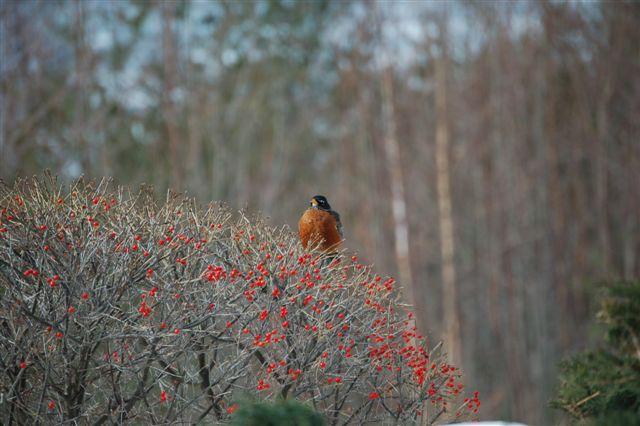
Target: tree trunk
{"points": [[449, 292], [80, 85], [398, 201], [169, 111]]}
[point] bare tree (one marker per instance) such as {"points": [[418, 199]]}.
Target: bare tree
{"points": [[443, 170], [170, 113], [398, 201]]}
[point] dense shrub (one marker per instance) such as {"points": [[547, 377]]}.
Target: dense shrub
{"points": [[281, 413], [603, 386], [114, 308]]}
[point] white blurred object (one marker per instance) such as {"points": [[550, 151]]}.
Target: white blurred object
{"points": [[486, 424]]}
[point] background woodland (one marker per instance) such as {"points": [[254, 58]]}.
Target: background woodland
{"points": [[485, 154]]}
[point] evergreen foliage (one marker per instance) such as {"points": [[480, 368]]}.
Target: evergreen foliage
{"points": [[281, 413], [603, 386]]}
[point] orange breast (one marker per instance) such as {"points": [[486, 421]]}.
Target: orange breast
{"points": [[318, 228]]}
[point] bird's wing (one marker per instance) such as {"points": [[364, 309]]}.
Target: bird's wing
{"points": [[336, 216]]}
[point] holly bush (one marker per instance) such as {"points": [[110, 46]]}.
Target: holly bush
{"points": [[117, 308]]}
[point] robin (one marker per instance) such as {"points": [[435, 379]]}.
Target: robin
{"points": [[320, 226]]}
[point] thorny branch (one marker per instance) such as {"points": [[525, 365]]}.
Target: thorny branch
{"points": [[114, 309]]}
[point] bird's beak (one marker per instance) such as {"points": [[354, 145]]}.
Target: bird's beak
{"points": [[314, 203]]}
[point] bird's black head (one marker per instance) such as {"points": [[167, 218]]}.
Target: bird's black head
{"points": [[320, 202]]}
